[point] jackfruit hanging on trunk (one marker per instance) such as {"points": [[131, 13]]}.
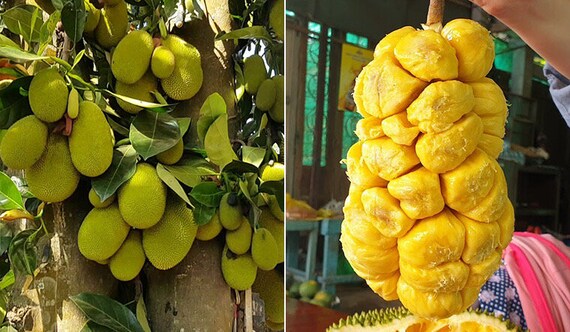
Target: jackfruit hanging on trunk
{"points": [[427, 215]]}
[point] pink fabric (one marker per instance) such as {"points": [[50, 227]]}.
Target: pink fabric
{"points": [[540, 268]]}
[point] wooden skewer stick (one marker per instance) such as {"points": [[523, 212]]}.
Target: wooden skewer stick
{"points": [[435, 12]]}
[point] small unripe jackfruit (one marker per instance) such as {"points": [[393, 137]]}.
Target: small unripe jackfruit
{"points": [[187, 76], [48, 95], [73, 104], [266, 95], [96, 201], [238, 241], [53, 178], [102, 233], [254, 73], [277, 111], [276, 17], [24, 143], [268, 221], [269, 285], [264, 249], [230, 211], [210, 230], [239, 271], [140, 90], [113, 25], [128, 261], [172, 155], [93, 16], [91, 141], [168, 242], [162, 62], [142, 199], [131, 57]]}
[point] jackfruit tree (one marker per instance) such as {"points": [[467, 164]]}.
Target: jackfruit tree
{"points": [[139, 173]]}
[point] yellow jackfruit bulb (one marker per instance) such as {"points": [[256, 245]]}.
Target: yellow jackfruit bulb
{"points": [[113, 25], [276, 17], [131, 57], [142, 199], [277, 111], [365, 229], [481, 239], [239, 240], [172, 155], [387, 158], [90, 156], [93, 16], [442, 152], [429, 304], [140, 90], [383, 88], [269, 286], [489, 97], [387, 44], [507, 225], [230, 212], [24, 143], [444, 278], [494, 124], [474, 48], [266, 95], [53, 178], [254, 73], [210, 230], [129, 260], [385, 287], [492, 145], [491, 207], [433, 241], [399, 129], [187, 76], [276, 228], [419, 193], [357, 170], [73, 104], [369, 128], [162, 62], [239, 271], [440, 105], [264, 249], [427, 55], [96, 201], [480, 272], [169, 241], [48, 95], [379, 204], [102, 233]]}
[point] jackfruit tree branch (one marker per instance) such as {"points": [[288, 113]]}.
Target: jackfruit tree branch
{"points": [[435, 12]]}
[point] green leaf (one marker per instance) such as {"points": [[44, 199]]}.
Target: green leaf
{"points": [[190, 170], [18, 55], [274, 188], [10, 197], [73, 16], [4, 299], [103, 69], [107, 312], [254, 212], [254, 32], [141, 315], [91, 326], [7, 280], [207, 193], [240, 81], [5, 237], [239, 167], [213, 107], [202, 213], [58, 4], [217, 142], [5, 41], [123, 167], [152, 133], [117, 127], [47, 29], [253, 155], [25, 20], [156, 107], [171, 181], [7, 329], [22, 251]]}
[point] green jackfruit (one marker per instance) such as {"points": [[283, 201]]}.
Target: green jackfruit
{"points": [[187, 76], [168, 242], [102, 233], [172, 155], [210, 230], [91, 141], [239, 271], [238, 241], [73, 104], [96, 201], [48, 95], [24, 143], [275, 172], [269, 286], [162, 62], [266, 95], [230, 211], [275, 326], [131, 57], [93, 16], [254, 73], [276, 17], [277, 112], [112, 26], [128, 261], [140, 90], [142, 199], [276, 228], [53, 178], [264, 250], [111, 3]]}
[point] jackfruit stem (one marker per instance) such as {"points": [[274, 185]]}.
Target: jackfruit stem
{"points": [[435, 12]]}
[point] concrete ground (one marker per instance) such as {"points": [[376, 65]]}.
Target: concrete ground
{"points": [[359, 297]]}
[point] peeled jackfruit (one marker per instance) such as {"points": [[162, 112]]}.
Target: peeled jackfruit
{"points": [[140, 90], [131, 57], [239, 240], [264, 249], [169, 241], [53, 178], [102, 233], [96, 201], [276, 228], [172, 155], [186, 78], [254, 73], [162, 62], [427, 213], [91, 141], [239, 271], [24, 143], [48, 95], [129, 260], [210, 230], [277, 111], [269, 286], [230, 212], [113, 25], [142, 199], [266, 95]]}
